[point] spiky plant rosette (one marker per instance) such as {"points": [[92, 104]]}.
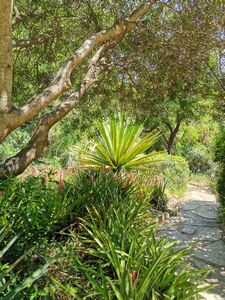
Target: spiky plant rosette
{"points": [[120, 147]]}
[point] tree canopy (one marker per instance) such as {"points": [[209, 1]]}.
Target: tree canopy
{"points": [[142, 57]]}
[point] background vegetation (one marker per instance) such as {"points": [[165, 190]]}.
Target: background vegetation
{"points": [[167, 77]]}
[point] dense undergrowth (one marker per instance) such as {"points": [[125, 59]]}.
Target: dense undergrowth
{"points": [[99, 223], [220, 184], [98, 226], [113, 252]]}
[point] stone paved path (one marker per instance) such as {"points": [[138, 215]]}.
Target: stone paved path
{"points": [[197, 225]]}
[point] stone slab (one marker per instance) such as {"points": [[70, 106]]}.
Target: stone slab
{"points": [[211, 296], [206, 211], [213, 254], [191, 205], [189, 229], [210, 234]]}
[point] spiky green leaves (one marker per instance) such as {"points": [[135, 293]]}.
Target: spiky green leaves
{"points": [[120, 147]]}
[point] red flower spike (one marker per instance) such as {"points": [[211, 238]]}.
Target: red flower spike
{"points": [[133, 276], [60, 183]]}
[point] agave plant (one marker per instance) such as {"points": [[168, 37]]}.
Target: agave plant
{"points": [[119, 147]]}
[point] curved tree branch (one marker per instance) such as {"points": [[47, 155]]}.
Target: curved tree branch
{"points": [[61, 83], [17, 164]]}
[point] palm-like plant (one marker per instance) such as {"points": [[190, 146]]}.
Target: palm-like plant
{"points": [[120, 147]]}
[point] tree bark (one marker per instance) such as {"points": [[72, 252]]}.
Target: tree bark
{"points": [[6, 63], [17, 164], [173, 134]]}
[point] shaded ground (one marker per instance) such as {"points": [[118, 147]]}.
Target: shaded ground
{"points": [[197, 225]]}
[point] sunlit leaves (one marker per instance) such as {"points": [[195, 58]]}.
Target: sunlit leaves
{"points": [[119, 147]]}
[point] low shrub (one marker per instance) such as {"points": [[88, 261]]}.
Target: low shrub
{"points": [[96, 187], [220, 146], [220, 185], [220, 158], [159, 198], [153, 189], [35, 204], [200, 161], [221, 216], [44, 205], [175, 171], [120, 257]]}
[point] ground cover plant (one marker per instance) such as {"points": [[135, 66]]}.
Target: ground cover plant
{"points": [[12, 284], [113, 246], [120, 257]]}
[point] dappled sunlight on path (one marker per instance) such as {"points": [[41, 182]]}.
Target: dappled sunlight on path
{"points": [[197, 225]]}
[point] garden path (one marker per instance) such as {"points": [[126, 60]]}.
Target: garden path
{"points": [[197, 225]]}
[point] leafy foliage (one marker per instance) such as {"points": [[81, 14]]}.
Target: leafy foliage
{"points": [[11, 285], [122, 258], [41, 205], [196, 143], [220, 146], [176, 172], [199, 161], [220, 157], [13, 143], [36, 205]]}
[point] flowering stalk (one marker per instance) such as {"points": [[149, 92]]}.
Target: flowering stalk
{"points": [[60, 183]]}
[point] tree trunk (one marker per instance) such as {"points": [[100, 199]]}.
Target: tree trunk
{"points": [[173, 134], [6, 64], [11, 117], [15, 165]]}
